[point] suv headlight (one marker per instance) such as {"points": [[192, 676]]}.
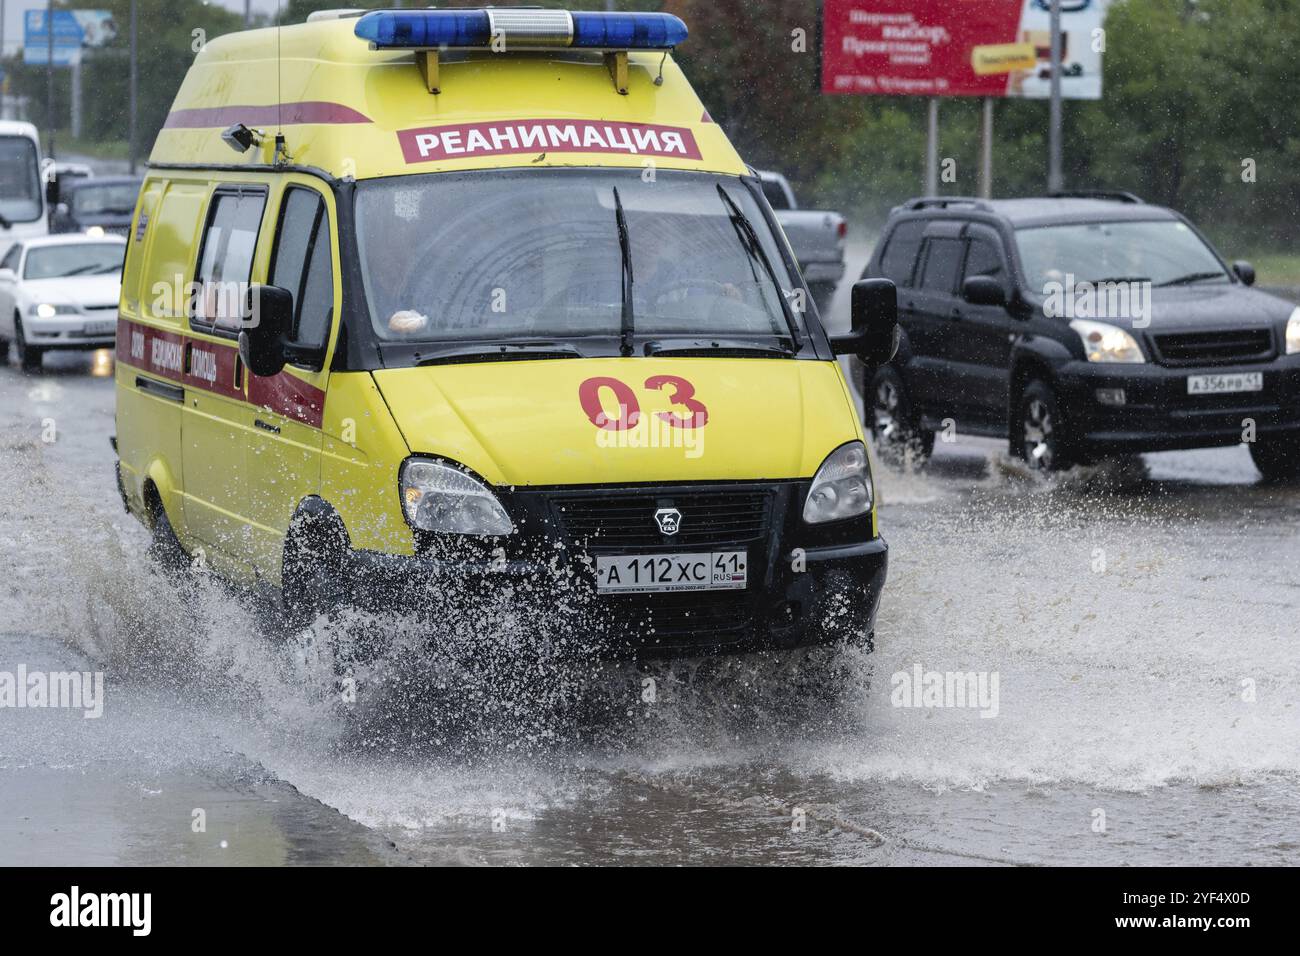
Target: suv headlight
{"points": [[1293, 332], [842, 486], [440, 497], [45, 310], [1107, 343]]}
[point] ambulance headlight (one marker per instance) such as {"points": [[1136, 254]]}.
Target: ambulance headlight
{"points": [[440, 497], [842, 486]]}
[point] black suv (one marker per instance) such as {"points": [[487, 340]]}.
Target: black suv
{"points": [[1077, 326]]}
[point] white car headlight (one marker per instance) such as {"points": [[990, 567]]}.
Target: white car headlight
{"points": [[440, 497], [1107, 343], [842, 486], [45, 310], [1293, 332]]}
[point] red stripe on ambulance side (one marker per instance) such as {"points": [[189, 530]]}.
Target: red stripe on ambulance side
{"points": [[288, 396], [307, 111], [210, 367]]}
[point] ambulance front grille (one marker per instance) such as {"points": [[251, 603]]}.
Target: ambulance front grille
{"points": [[626, 519]]}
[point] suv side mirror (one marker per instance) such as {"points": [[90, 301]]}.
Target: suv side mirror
{"points": [[983, 290], [52, 190], [1245, 271], [7, 275], [261, 342], [874, 338]]}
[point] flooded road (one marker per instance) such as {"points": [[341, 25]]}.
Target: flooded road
{"points": [[1138, 620]]}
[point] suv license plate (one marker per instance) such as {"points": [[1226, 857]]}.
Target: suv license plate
{"points": [[106, 327], [1222, 384], [643, 573]]}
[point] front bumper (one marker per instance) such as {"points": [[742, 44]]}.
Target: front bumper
{"points": [[68, 332], [805, 584], [1158, 414], [835, 597]]}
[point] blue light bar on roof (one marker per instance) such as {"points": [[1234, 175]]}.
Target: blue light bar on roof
{"points": [[519, 29], [627, 31]]}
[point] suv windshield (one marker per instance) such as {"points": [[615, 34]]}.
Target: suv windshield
{"points": [[20, 179], [1164, 252], [74, 259], [536, 254]]}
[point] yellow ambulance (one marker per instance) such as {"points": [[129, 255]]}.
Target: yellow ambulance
{"points": [[429, 306]]}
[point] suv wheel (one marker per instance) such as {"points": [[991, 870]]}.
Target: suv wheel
{"points": [[898, 436], [1278, 458], [1039, 437]]}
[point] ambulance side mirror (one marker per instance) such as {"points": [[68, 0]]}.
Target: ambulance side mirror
{"points": [[269, 315], [874, 336]]}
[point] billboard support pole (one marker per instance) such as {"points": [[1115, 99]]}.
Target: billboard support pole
{"points": [[1055, 181], [76, 95], [986, 150], [932, 149]]}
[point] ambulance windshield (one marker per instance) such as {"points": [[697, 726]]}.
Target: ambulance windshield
{"points": [[535, 254]]}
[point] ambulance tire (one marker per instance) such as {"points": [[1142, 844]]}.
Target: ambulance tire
{"points": [[822, 675], [165, 548], [313, 579]]}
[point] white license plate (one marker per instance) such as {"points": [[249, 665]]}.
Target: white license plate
{"points": [[701, 571], [107, 327], [1222, 384]]}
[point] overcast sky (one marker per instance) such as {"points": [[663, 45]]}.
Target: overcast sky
{"points": [[14, 14]]}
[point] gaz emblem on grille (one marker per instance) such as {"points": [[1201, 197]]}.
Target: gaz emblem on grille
{"points": [[668, 519]]}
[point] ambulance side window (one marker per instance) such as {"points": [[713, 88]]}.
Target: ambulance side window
{"points": [[302, 264], [226, 258]]}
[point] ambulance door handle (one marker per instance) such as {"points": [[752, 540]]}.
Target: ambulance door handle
{"points": [[173, 393], [266, 426]]}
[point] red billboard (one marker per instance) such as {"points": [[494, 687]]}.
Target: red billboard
{"points": [[959, 47]]}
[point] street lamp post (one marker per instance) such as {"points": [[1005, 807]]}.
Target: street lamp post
{"points": [[1055, 181], [49, 71], [132, 136]]}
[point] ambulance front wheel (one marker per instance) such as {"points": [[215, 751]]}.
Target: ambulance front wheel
{"points": [[313, 577]]}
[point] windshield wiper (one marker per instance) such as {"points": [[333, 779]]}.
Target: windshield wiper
{"points": [[1193, 277], [625, 246], [749, 242], [485, 352], [716, 347], [1122, 279]]}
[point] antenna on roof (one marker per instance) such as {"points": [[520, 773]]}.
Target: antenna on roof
{"points": [[281, 153]]}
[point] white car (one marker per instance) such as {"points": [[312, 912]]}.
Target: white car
{"points": [[60, 292]]}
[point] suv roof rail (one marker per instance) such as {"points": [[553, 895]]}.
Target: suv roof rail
{"points": [[943, 202], [1117, 195]]}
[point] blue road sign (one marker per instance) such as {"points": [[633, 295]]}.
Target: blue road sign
{"points": [[68, 37]]}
